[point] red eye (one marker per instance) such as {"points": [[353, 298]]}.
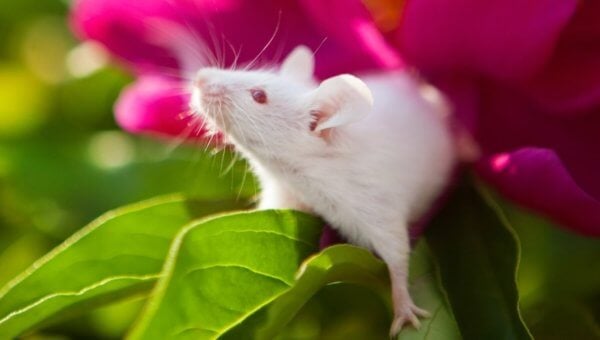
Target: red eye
{"points": [[259, 96]]}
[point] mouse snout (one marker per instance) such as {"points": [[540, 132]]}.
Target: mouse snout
{"points": [[213, 91], [209, 88]]}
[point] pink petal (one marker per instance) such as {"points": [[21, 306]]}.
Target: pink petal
{"points": [[538, 179], [348, 23], [230, 30], [570, 83], [121, 27], [463, 93], [499, 38], [329, 237], [510, 121], [157, 105]]}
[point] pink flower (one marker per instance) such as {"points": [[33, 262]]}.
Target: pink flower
{"points": [[524, 77]]}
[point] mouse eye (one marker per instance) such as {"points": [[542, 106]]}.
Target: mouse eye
{"points": [[259, 96]]}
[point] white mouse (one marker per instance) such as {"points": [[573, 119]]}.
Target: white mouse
{"points": [[368, 155]]}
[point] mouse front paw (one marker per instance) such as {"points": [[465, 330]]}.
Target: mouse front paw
{"points": [[406, 312]]}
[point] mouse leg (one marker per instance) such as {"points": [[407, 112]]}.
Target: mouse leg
{"points": [[394, 249], [405, 311]]}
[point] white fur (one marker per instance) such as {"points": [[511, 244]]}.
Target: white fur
{"points": [[369, 178]]}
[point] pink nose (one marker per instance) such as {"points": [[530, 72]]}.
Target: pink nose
{"points": [[212, 90], [207, 81], [206, 76], [200, 82]]}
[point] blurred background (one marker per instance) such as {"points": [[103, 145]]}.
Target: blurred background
{"points": [[63, 162]]}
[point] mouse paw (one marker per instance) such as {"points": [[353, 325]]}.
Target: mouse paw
{"points": [[407, 313]]}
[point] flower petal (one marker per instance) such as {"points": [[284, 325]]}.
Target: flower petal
{"points": [[509, 122], [537, 179], [329, 237], [352, 29], [570, 83], [157, 105], [228, 31], [503, 39], [120, 26], [463, 93], [223, 31]]}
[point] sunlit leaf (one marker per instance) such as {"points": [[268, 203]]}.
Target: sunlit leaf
{"points": [[356, 266], [338, 290], [341, 263], [550, 254], [562, 265], [222, 270], [119, 254]]}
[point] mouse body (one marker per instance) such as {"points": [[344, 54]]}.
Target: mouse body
{"points": [[369, 155]]}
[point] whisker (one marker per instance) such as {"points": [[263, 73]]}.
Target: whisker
{"points": [[179, 40], [219, 62], [253, 61], [319, 47], [185, 134], [223, 153], [223, 50], [210, 59], [244, 176], [236, 55]]}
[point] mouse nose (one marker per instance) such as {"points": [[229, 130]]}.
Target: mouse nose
{"points": [[200, 82], [205, 81], [205, 76], [202, 79]]}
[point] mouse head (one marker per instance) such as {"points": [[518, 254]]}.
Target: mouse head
{"points": [[274, 110]]}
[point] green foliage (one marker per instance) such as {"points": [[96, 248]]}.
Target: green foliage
{"points": [[340, 263], [250, 275], [429, 292], [559, 278], [478, 254], [229, 266], [119, 254]]}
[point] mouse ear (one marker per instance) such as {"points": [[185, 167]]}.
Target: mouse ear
{"points": [[299, 64], [340, 100]]}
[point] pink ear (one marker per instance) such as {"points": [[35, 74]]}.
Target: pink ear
{"points": [[299, 64], [316, 117], [340, 100]]}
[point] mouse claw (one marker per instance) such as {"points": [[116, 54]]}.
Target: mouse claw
{"points": [[409, 313]]}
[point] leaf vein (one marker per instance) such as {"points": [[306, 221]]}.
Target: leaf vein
{"points": [[265, 232], [239, 266], [75, 293]]}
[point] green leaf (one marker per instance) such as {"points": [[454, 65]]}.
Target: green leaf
{"points": [[119, 254], [427, 293], [478, 254], [551, 254], [221, 270], [358, 267], [562, 319], [21, 253], [340, 311], [340, 263]]}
